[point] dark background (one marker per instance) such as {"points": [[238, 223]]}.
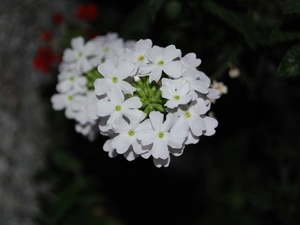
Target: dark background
{"points": [[247, 173]]}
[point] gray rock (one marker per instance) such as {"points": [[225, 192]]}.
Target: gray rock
{"points": [[24, 130]]}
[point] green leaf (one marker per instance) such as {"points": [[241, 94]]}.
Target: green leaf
{"points": [[290, 64], [173, 9], [253, 31], [153, 7], [279, 35], [292, 7], [137, 23]]}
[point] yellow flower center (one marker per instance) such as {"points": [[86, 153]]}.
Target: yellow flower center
{"points": [[161, 62], [115, 80], [118, 108], [187, 114], [141, 58], [131, 132], [161, 134], [176, 97]]}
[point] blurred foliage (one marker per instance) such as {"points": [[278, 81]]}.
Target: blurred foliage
{"points": [[247, 173]]}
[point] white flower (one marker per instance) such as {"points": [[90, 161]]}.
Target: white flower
{"points": [[79, 54], [68, 101], [108, 46], [196, 81], [211, 124], [66, 69], [176, 91], [160, 137], [114, 76], [84, 113], [190, 119], [216, 90], [108, 148], [117, 107], [220, 86], [190, 61], [137, 54], [127, 138], [162, 59], [234, 72], [72, 82]]}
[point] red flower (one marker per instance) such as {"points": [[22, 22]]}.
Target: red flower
{"points": [[57, 18], [47, 36], [45, 59], [87, 12]]}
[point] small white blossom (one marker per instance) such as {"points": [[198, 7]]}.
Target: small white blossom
{"points": [[127, 138], [190, 119], [160, 137], [197, 82], [116, 107], [79, 54], [162, 60], [114, 76], [72, 82], [108, 46], [211, 124], [176, 91], [233, 72], [190, 60], [137, 54]]}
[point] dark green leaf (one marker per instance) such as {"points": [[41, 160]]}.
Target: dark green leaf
{"points": [[252, 30], [279, 35], [290, 64], [292, 7]]}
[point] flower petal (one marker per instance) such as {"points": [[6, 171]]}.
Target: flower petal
{"points": [[155, 74], [105, 108], [147, 137], [161, 162], [77, 43], [101, 86], [130, 155], [58, 101], [173, 69], [174, 141], [133, 102], [69, 55], [211, 124], [134, 115], [197, 125], [107, 69], [126, 87], [170, 53], [124, 70], [108, 148], [121, 143], [156, 119], [160, 150]]}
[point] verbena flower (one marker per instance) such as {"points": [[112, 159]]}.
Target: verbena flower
{"points": [[162, 60], [79, 54], [113, 78], [117, 107], [159, 136], [149, 101]]}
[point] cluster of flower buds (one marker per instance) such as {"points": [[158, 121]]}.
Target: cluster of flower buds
{"points": [[150, 101]]}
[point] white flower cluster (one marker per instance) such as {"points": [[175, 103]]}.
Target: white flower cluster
{"points": [[149, 100], [77, 73]]}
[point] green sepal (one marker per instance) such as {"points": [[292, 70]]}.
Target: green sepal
{"points": [[92, 75]]}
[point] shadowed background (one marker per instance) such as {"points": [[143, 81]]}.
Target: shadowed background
{"points": [[247, 173]]}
